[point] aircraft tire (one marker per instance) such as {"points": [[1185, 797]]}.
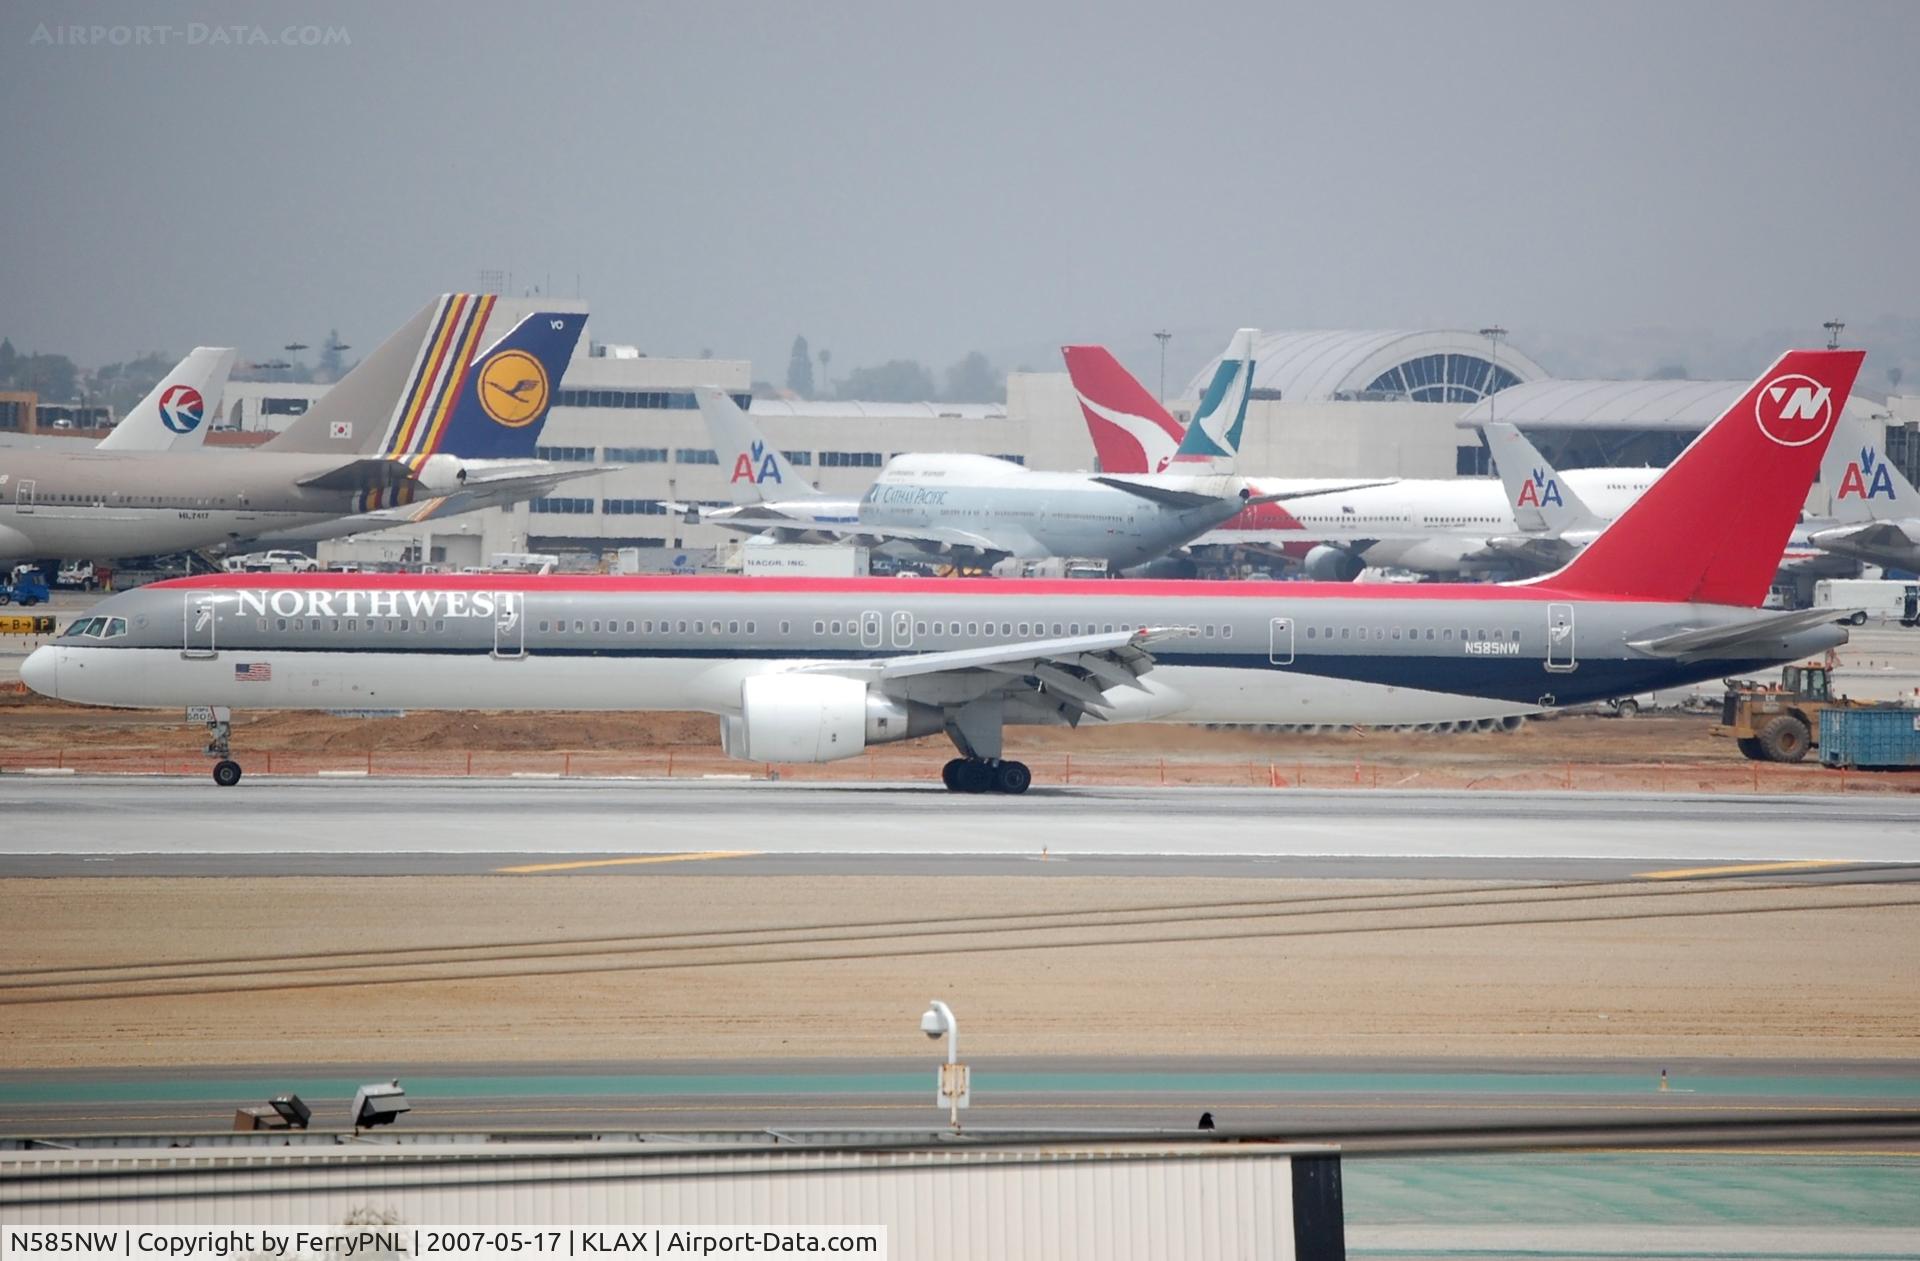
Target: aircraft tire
{"points": [[1785, 739], [226, 772], [1012, 778], [973, 777], [950, 774]]}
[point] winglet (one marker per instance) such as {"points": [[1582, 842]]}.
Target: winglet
{"points": [[1212, 441], [1713, 527], [1131, 431]]}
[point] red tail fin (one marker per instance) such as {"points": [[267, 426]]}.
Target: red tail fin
{"points": [[1132, 432], [1712, 529]]}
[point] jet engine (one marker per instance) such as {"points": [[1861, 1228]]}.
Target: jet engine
{"points": [[818, 718], [1332, 564]]}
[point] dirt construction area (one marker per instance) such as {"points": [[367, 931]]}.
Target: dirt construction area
{"points": [[538, 969]]}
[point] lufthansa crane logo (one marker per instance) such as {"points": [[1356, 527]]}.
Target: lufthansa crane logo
{"points": [[513, 388], [1794, 410]]}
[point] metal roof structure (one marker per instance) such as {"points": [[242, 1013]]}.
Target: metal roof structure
{"points": [[1678, 406], [1437, 366], [841, 410]]}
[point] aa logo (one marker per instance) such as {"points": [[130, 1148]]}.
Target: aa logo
{"points": [[513, 388], [1539, 491], [1866, 478], [756, 466]]}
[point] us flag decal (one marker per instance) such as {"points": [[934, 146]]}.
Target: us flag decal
{"points": [[252, 672]]}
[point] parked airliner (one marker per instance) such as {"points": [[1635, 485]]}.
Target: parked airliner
{"points": [[813, 670]]}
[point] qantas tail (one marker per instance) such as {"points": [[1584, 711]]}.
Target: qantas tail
{"points": [[1861, 485], [756, 471], [1212, 441], [500, 401], [176, 414], [1713, 527], [1131, 431]]}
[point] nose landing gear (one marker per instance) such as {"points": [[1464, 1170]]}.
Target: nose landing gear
{"points": [[977, 775]]}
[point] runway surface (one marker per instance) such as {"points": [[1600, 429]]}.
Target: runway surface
{"points": [[78, 825]]}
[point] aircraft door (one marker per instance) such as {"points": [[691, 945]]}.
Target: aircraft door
{"points": [[201, 616], [870, 630], [23, 495], [902, 629], [509, 625], [1560, 655], [1280, 642]]}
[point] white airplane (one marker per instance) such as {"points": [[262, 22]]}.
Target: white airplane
{"points": [[179, 410], [987, 509], [1875, 509]]}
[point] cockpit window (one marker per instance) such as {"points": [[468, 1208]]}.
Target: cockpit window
{"points": [[116, 627], [86, 626]]}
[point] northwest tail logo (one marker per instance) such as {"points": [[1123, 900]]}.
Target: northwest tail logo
{"points": [[755, 466], [182, 409], [1794, 410], [1866, 478], [1539, 491]]}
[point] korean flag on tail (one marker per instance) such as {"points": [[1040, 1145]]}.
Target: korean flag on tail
{"points": [[340, 429]]}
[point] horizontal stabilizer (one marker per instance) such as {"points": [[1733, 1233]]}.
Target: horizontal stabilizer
{"points": [[369, 474], [1721, 639]]}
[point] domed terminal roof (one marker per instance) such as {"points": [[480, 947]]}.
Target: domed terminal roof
{"points": [[1442, 366]]}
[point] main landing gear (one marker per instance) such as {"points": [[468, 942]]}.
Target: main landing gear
{"points": [[219, 720], [977, 775]]}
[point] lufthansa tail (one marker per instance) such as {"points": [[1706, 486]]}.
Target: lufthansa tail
{"points": [[176, 414], [1713, 527], [501, 398], [1131, 431], [1212, 441]]}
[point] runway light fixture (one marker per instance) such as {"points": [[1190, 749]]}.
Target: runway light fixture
{"points": [[380, 1103], [954, 1080], [282, 1112], [1834, 329]]}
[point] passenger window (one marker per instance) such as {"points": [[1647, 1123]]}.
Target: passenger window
{"points": [[973, 630], [1057, 630], [543, 627], [630, 626], [1447, 634], [596, 626], [282, 625], [819, 628], [1309, 632], [439, 625], [1226, 632], [699, 628], [786, 627], [683, 628], [1343, 632], [1024, 632], [749, 628], [1396, 632], [353, 623], [1209, 630], [560, 627], [919, 628], [1429, 634], [836, 628], [733, 628], [407, 624], [263, 623]]}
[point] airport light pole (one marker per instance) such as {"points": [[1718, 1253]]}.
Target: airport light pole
{"points": [[1493, 333], [1163, 337], [1834, 328], [953, 1079]]}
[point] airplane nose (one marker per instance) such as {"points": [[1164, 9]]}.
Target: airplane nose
{"points": [[41, 671]]}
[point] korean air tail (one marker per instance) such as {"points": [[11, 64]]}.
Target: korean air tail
{"points": [[1861, 484], [1713, 527], [1131, 431], [356, 416], [1212, 440], [1542, 503], [500, 400], [176, 414], [756, 471]]}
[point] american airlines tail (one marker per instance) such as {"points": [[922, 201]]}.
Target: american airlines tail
{"points": [[1131, 431], [1861, 485], [1713, 527], [1542, 502], [176, 414], [1212, 441], [756, 471]]}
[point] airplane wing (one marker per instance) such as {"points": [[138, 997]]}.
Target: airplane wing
{"points": [[1877, 535], [1165, 496], [1070, 675], [1754, 630], [512, 487]]}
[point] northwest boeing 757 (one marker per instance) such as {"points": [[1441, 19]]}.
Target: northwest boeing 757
{"points": [[813, 670]]}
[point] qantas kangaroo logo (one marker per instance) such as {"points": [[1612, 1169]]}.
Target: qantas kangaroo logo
{"points": [[1540, 491], [1866, 478], [1794, 410], [755, 466]]}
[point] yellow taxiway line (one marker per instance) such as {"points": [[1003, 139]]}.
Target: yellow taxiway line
{"points": [[1745, 869], [634, 861]]}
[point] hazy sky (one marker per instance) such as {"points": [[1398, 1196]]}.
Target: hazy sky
{"points": [[918, 180]]}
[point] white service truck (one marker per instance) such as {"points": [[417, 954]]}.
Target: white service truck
{"points": [[1882, 599], [803, 560]]}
